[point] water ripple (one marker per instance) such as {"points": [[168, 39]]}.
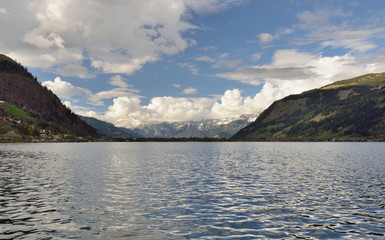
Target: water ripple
{"points": [[192, 191]]}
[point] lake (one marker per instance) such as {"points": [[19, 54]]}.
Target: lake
{"points": [[192, 190]]}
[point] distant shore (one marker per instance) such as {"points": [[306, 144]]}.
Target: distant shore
{"points": [[195, 140]]}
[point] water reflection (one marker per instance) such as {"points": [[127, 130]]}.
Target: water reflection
{"points": [[28, 194], [192, 191]]}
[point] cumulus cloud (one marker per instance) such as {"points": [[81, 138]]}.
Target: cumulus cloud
{"points": [[128, 112], [65, 89], [59, 34], [232, 103]]}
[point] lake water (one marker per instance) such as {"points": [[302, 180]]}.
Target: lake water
{"points": [[192, 191]]}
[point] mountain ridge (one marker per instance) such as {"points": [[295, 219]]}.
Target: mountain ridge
{"points": [[352, 109], [212, 128], [110, 129], [19, 88]]}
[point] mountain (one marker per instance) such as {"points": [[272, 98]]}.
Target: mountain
{"points": [[352, 109], [20, 89], [200, 129], [109, 129]]}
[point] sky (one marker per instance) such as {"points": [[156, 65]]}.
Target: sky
{"points": [[132, 62]]}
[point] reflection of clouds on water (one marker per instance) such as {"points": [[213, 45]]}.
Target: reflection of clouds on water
{"points": [[192, 190]]}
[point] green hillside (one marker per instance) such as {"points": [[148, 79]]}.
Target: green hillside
{"points": [[13, 110], [352, 109]]}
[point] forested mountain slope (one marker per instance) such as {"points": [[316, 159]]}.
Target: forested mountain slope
{"points": [[352, 109], [18, 87]]}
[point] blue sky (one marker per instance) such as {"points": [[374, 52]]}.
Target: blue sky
{"points": [[132, 62]]}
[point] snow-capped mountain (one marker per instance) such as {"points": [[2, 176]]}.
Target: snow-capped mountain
{"points": [[205, 128]]}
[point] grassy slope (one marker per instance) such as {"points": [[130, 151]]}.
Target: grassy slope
{"points": [[14, 111]]}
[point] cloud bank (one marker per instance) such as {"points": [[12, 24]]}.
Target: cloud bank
{"points": [[113, 36], [290, 72], [129, 112]]}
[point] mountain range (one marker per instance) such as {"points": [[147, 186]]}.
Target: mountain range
{"points": [[349, 110], [213, 128], [209, 128]]}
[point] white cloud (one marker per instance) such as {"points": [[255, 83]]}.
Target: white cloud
{"points": [[265, 37], [357, 40], [189, 91], [67, 104], [209, 48], [96, 99], [119, 81], [208, 6], [39, 40], [311, 68], [255, 57], [65, 89], [176, 85], [232, 104], [120, 65], [224, 62], [204, 59], [351, 36], [177, 109], [53, 34], [193, 69], [74, 70], [127, 111]]}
